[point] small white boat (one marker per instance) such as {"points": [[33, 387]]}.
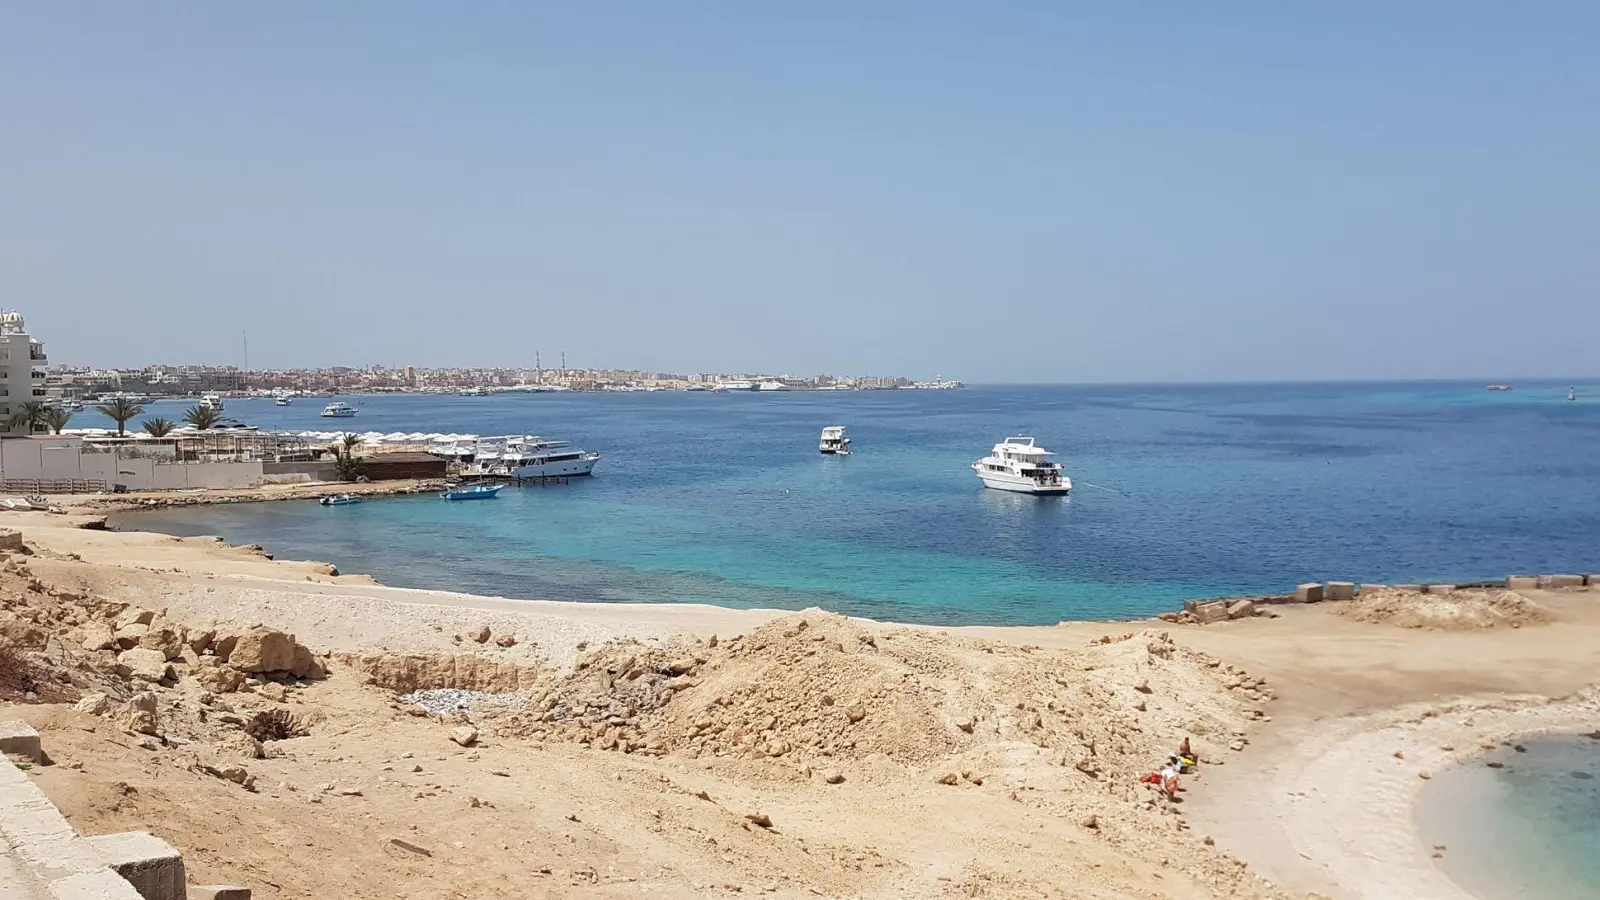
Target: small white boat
{"points": [[473, 492], [1019, 464], [833, 442], [211, 401], [340, 500], [1572, 393], [338, 409], [281, 399]]}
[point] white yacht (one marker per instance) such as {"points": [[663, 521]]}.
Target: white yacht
{"points": [[282, 399], [338, 409], [211, 401], [1018, 464], [833, 442], [725, 386], [772, 386], [521, 456]]}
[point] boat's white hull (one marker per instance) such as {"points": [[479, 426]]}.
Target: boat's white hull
{"points": [[1001, 481], [338, 415], [566, 468]]}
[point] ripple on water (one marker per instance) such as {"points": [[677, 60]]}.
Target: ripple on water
{"points": [[1528, 830]]}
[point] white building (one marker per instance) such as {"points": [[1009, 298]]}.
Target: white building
{"points": [[22, 363]]}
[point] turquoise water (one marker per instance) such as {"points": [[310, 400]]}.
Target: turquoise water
{"points": [[1182, 491], [1528, 831]]}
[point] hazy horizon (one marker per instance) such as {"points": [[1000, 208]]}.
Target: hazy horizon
{"points": [[1018, 193]]}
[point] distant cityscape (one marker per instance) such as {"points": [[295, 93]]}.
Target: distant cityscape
{"points": [[88, 383], [55, 385]]}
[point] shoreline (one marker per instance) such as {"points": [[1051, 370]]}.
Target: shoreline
{"points": [[1319, 801]]}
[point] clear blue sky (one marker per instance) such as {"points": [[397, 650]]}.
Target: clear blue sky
{"points": [[988, 191]]}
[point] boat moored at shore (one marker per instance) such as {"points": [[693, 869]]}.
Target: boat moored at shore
{"points": [[529, 457], [340, 499], [1020, 465], [472, 492]]}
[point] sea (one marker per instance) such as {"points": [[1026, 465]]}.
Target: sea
{"points": [[1529, 830], [1181, 491]]}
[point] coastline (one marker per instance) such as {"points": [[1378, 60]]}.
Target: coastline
{"points": [[1318, 800]]}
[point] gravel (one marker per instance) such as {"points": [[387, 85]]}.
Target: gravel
{"points": [[446, 701]]}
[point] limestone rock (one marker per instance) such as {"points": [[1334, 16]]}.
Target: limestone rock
{"points": [[832, 776], [306, 665], [466, 735], [163, 638], [273, 691], [133, 615], [144, 700], [479, 634], [506, 640], [140, 722], [98, 637], [143, 665], [263, 650], [238, 745], [95, 704], [128, 636], [1243, 609], [216, 677], [200, 641]]}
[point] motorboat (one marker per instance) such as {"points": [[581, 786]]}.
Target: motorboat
{"points": [[472, 492], [1019, 464], [1572, 393], [340, 500], [833, 442], [524, 456], [282, 399], [1498, 387], [338, 409], [211, 401], [772, 386]]}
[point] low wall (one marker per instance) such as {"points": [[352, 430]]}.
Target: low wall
{"points": [[25, 462], [298, 472]]}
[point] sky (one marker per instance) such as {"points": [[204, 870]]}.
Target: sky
{"points": [[1005, 191]]}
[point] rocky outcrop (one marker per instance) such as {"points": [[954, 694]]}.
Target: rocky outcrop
{"points": [[462, 672]]}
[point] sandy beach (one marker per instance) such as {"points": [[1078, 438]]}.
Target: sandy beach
{"points": [[890, 761]]}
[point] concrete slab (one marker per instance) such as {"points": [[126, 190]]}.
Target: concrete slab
{"points": [[1341, 590], [1371, 587], [1215, 611], [1565, 581], [1592, 580], [153, 866], [1308, 593], [1440, 588], [1417, 588], [45, 849], [18, 738], [1522, 582]]}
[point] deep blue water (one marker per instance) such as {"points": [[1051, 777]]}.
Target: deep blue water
{"points": [[1528, 831], [1181, 491]]}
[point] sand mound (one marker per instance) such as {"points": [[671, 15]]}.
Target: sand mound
{"points": [[817, 686], [1468, 610]]}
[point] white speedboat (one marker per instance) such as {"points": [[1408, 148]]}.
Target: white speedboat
{"points": [[520, 456], [338, 409], [1018, 464], [211, 401], [833, 442]]}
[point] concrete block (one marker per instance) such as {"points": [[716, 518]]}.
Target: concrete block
{"points": [[1341, 590], [1592, 580], [1414, 588], [1214, 611], [1521, 582], [1371, 587], [1308, 593], [1440, 588], [1565, 581], [10, 540], [1242, 609], [153, 866], [18, 738], [219, 892]]}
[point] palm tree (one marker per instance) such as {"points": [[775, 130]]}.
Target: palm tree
{"points": [[120, 411], [29, 416], [56, 419], [158, 427], [344, 457], [202, 417]]}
